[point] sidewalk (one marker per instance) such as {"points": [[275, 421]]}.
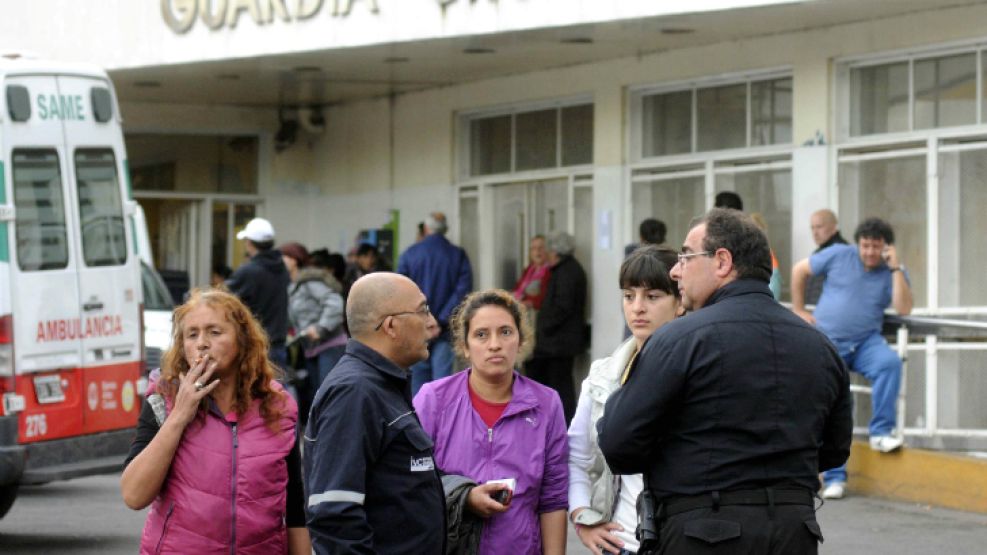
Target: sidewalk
{"points": [[867, 525]]}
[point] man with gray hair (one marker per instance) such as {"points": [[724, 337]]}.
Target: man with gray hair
{"points": [[560, 330], [370, 471], [443, 272]]}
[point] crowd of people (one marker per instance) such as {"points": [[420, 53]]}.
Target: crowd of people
{"points": [[705, 430]]}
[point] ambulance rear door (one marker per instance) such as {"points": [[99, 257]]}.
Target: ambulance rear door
{"points": [[45, 302], [109, 268]]}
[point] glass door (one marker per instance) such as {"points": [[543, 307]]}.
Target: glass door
{"points": [[521, 211]]}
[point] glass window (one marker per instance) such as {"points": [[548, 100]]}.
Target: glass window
{"points": [[962, 226], [769, 194], [490, 145], [893, 189], [40, 230], [673, 201], [946, 91], [156, 295], [771, 112], [879, 99], [104, 242], [667, 123], [722, 117], [536, 140], [577, 135]]}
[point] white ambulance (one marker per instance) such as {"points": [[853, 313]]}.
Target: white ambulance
{"points": [[71, 350]]}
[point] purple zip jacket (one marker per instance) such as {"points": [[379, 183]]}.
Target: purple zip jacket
{"points": [[528, 443]]}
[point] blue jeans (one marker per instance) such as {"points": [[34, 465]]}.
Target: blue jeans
{"points": [[877, 362], [437, 365], [319, 366]]}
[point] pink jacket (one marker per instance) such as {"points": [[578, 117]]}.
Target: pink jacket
{"points": [[227, 487]]}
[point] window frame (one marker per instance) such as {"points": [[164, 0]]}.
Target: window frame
{"points": [[464, 142], [841, 101], [636, 95]]}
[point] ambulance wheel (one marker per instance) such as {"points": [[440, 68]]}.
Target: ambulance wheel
{"points": [[7, 495]]}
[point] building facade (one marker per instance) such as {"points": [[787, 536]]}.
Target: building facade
{"points": [[517, 117]]}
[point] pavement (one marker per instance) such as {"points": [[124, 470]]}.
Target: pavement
{"points": [[87, 517], [868, 526]]}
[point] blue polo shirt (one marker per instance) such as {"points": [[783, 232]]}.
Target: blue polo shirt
{"points": [[851, 307]]}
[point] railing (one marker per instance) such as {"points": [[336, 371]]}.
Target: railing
{"points": [[933, 337]]}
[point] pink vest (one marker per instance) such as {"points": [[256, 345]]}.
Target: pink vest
{"points": [[226, 489]]}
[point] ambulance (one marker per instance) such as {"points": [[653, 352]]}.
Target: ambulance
{"points": [[71, 348]]}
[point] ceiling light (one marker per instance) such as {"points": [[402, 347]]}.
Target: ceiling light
{"points": [[478, 50], [677, 31], [577, 40], [147, 84], [307, 69], [396, 59], [228, 76]]}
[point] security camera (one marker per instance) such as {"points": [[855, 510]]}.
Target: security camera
{"points": [[312, 120]]}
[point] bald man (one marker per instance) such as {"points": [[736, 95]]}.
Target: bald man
{"points": [[370, 474], [824, 233]]}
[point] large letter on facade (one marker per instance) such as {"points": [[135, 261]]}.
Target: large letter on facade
{"points": [[178, 14]]}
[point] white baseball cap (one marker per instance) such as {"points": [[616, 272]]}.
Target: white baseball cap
{"points": [[258, 230]]}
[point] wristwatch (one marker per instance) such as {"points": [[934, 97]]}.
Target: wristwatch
{"points": [[897, 268]]}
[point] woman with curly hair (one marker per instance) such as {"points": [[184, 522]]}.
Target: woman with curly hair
{"points": [[215, 449], [503, 432]]}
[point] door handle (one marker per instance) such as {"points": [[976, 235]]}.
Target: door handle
{"points": [[90, 306]]}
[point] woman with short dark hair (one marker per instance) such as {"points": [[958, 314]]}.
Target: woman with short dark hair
{"points": [[601, 505]]}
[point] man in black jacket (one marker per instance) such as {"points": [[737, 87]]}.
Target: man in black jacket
{"points": [[732, 411], [370, 471], [560, 328], [262, 284]]}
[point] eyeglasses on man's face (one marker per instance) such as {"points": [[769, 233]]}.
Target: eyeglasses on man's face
{"points": [[684, 257], [424, 312]]}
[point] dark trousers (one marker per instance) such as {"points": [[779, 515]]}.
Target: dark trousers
{"points": [[739, 529], [555, 372]]}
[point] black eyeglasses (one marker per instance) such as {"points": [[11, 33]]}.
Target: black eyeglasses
{"points": [[423, 312]]}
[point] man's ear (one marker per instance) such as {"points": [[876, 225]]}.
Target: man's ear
{"points": [[724, 263]]}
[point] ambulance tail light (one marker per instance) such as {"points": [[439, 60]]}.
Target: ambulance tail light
{"points": [[6, 346], [10, 401]]}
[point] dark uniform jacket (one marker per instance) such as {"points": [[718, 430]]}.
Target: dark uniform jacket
{"points": [[370, 476], [740, 394], [561, 324], [262, 285]]}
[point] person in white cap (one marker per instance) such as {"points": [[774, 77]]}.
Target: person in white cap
{"points": [[262, 284]]}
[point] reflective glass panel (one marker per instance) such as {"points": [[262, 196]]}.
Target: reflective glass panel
{"points": [[946, 91], [879, 99], [722, 117], [666, 123], [490, 145], [771, 112], [673, 201], [536, 140], [962, 227], [104, 240], [40, 232], [577, 135]]}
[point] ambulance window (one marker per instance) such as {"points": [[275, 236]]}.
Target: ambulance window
{"points": [[104, 242], [40, 211]]}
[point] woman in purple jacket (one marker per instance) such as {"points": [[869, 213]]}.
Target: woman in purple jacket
{"points": [[490, 423]]}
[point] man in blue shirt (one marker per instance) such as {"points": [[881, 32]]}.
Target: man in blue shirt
{"points": [[443, 272], [861, 281]]}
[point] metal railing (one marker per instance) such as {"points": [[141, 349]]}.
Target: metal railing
{"points": [[930, 337]]}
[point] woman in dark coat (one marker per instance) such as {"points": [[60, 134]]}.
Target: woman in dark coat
{"points": [[560, 332]]}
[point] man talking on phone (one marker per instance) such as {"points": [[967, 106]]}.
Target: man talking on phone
{"points": [[861, 281]]}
